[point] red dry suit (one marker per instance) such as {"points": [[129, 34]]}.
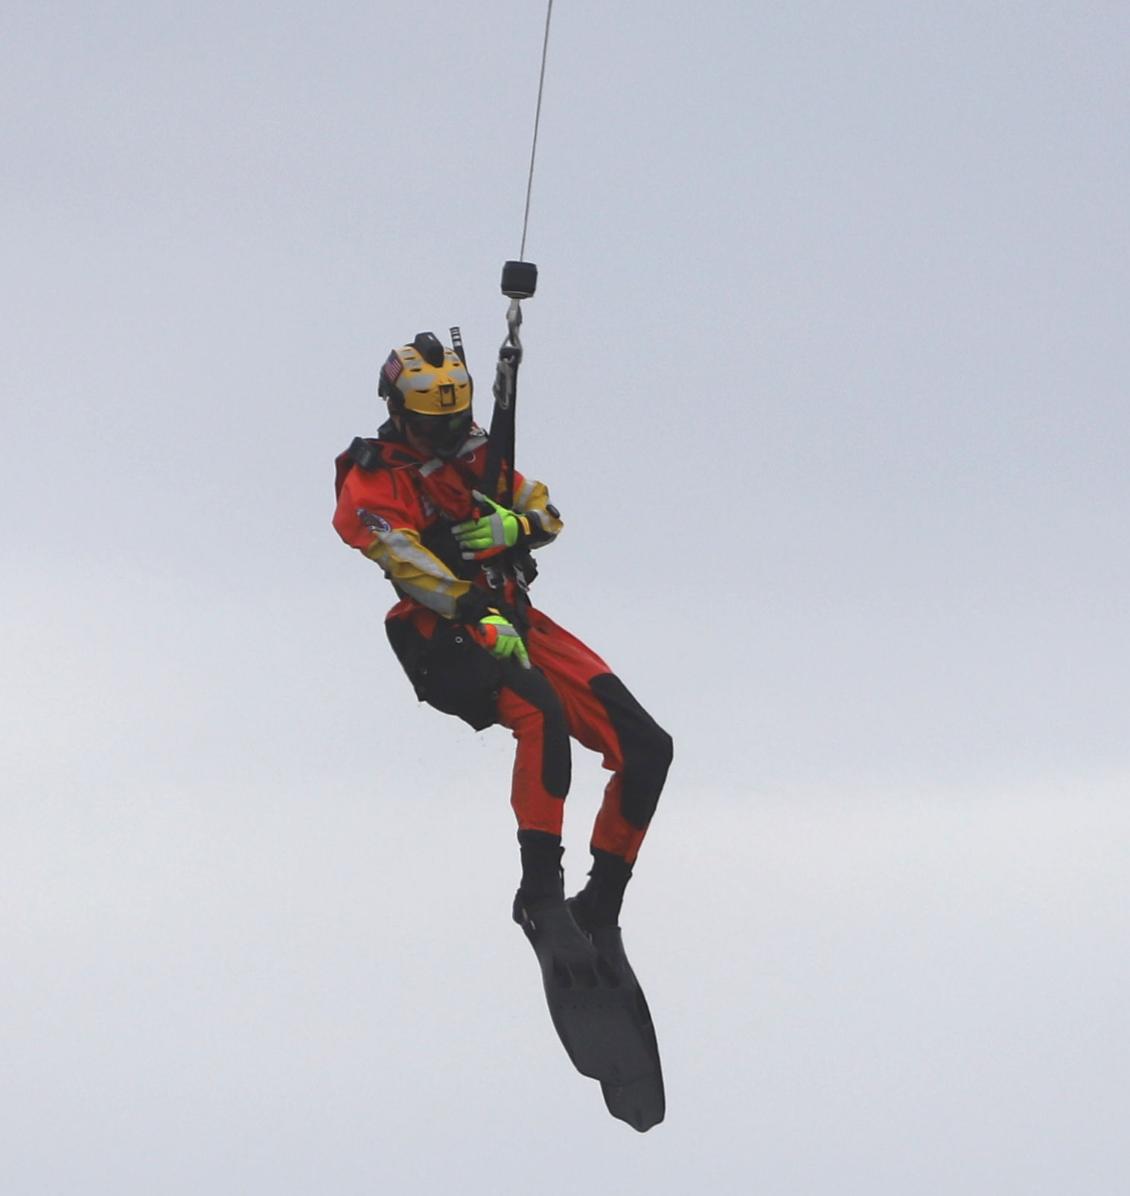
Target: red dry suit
{"points": [[397, 506]]}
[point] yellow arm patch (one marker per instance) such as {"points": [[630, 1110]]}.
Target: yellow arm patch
{"points": [[416, 572], [533, 499]]}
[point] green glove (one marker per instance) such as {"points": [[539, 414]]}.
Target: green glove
{"points": [[499, 636], [491, 534]]}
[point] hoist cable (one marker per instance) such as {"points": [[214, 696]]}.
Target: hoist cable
{"points": [[537, 120], [518, 282]]}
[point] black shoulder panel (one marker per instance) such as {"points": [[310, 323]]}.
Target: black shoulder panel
{"points": [[365, 453]]}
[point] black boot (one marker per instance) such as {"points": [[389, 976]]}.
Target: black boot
{"points": [[597, 905], [543, 881]]}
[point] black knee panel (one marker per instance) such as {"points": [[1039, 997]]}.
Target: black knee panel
{"points": [[647, 749], [556, 761]]}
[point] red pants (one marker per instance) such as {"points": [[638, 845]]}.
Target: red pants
{"points": [[571, 692]]}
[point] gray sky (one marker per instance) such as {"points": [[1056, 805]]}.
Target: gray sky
{"points": [[827, 372]]}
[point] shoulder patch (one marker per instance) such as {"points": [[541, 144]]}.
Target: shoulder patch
{"points": [[374, 522]]}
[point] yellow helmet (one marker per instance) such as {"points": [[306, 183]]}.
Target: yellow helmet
{"points": [[425, 378]]}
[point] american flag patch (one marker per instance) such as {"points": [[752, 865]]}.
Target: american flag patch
{"points": [[394, 367]]}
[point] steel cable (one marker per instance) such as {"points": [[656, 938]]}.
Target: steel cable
{"points": [[537, 120]]}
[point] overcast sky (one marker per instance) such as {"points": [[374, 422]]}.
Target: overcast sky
{"points": [[828, 373]]}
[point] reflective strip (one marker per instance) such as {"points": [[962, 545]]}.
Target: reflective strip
{"points": [[429, 467], [417, 573], [523, 495], [443, 604], [411, 551], [432, 377]]}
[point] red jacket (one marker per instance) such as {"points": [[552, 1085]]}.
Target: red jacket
{"points": [[397, 506]]}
